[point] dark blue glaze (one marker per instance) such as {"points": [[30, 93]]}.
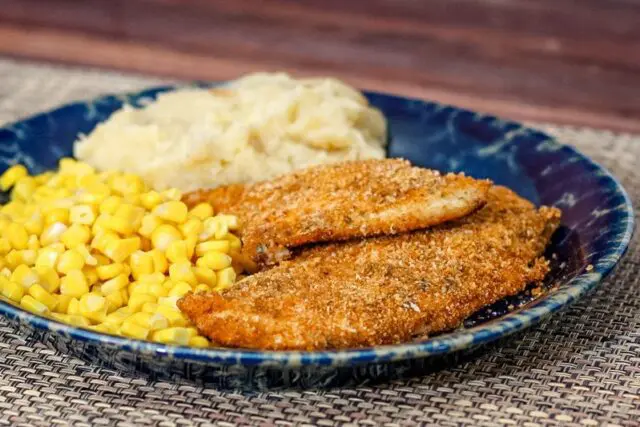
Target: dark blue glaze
{"points": [[597, 227]]}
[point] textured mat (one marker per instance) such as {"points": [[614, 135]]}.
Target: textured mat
{"points": [[581, 367]]}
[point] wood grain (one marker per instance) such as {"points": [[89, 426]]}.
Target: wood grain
{"points": [[567, 61]]}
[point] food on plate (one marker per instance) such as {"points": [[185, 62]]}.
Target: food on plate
{"points": [[383, 290], [341, 202], [255, 128], [103, 251]]}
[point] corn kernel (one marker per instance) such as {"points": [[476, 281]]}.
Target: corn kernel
{"points": [[226, 278], [150, 199], [153, 278], [174, 335], [48, 278], [177, 251], [149, 224], [52, 233], [102, 239], [169, 302], [57, 215], [202, 288], [82, 215], [116, 318], [24, 188], [115, 284], [33, 243], [222, 246], [153, 322], [130, 213], [47, 257], [205, 276], [63, 303], [180, 289], [141, 264], [75, 235], [13, 259], [110, 205], [116, 300], [70, 260], [192, 227], [78, 320], [160, 264], [42, 296], [73, 307], [31, 304], [93, 307], [182, 272], [5, 246], [163, 235], [133, 330], [149, 307], [34, 224], [173, 315], [17, 236], [191, 242], [118, 224], [24, 276], [214, 260], [201, 342], [120, 250], [104, 328], [137, 300], [171, 194], [109, 271], [74, 284], [11, 176], [201, 211], [14, 291]]}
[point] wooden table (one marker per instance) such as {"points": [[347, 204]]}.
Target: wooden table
{"points": [[565, 61]]}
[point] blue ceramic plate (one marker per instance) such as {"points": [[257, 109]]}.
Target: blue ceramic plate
{"points": [[597, 227]]}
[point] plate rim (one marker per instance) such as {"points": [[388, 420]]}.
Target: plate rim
{"points": [[459, 339]]}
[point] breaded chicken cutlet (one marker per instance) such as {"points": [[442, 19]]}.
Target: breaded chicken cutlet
{"points": [[341, 202], [383, 290]]}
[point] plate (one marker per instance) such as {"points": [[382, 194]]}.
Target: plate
{"points": [[597, 226]]}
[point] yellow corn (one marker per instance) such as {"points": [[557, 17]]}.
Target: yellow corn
{"points": [[226, 278], [115, 284], [160, 263], [48, 278], [201, 211], [174, 335], [82, 215], [70, 260], [214, 260], [137, 300], [180, 289], [109, 271], [133, 330], [63, 303], [141, 264], [177, 251], [11, 176], [31, 304], [163, 235], [150, 199], [17, 236], [74, 284], [93, 307], [42, 296], [14, 291], [222, 246], [198, 341], [100, 250], [24, 276], [119, 250], [202, 288], [182, 272]]}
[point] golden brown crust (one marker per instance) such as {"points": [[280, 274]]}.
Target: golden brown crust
{"points": [[342, 202], [387, 289]]}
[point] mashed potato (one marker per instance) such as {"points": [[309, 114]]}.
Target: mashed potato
{"points": [[254, 128]]}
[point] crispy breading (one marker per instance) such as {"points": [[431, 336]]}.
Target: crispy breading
{"points": [[341, 202], [383, 290]]}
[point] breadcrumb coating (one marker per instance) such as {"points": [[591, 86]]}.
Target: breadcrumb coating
{"points": [[383, 290], [341, 202]]}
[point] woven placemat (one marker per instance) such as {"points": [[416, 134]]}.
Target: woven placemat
{"points": [[581, 367]]}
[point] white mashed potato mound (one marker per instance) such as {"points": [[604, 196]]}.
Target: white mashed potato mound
{"points": [[255, 128]]}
